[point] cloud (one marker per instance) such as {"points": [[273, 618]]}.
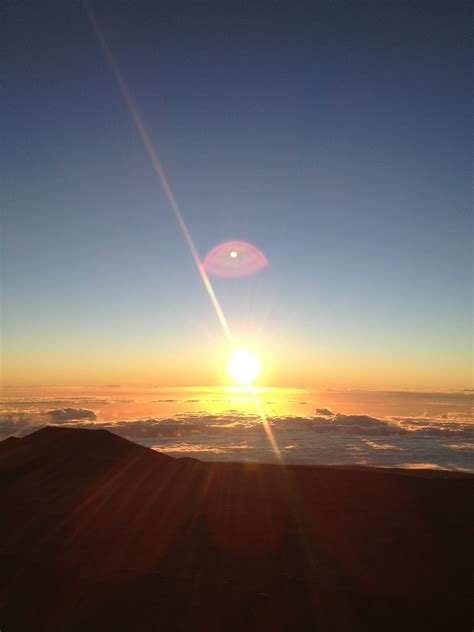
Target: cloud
{"points": [[152, 428], [45, 401], [18, 423], [360, 425], [235, 435], [201, 448], [323, 411], [187, 423], [70, 414], [382, 446], [449, 425]]}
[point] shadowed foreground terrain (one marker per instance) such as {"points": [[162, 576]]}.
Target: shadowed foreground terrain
{"points": [[97, 533]]}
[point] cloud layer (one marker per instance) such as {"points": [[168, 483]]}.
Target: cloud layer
{"points": [[326, 437]]}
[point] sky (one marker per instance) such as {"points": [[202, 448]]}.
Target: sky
{"points": [[335, 136]]}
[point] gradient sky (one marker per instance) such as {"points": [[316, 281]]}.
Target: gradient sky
{"points": [[335, 136]]}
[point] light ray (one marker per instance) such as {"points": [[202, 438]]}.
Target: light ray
{"points": [[266, 425], [159, 171], [157, 166]]}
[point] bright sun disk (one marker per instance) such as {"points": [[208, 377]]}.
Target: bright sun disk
{"points": [[243, 367]]}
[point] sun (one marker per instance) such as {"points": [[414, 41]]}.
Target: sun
{"points": [[243, 367]]}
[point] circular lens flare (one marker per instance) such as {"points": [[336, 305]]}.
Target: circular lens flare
{"points": [[233, 259], [243, 367]]}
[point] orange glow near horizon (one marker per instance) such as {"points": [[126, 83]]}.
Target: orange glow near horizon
{"points": [[196, 362]]}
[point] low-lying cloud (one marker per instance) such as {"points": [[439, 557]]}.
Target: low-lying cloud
{"points": [[70, 414], [19, 423], [327, 437], [324, 411]]}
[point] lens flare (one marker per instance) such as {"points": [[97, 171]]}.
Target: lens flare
{"points": [[229, 259], [243, 367], [234, 259], [156, 164]]}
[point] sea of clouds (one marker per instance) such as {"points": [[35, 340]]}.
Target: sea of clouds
{"points": [[326, 437]]}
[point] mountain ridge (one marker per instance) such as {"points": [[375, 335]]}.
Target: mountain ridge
{"points": [[101, 533]]}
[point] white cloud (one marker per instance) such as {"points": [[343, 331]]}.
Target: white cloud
{"points": [[60, 415], [234, 435], [19, 423]]}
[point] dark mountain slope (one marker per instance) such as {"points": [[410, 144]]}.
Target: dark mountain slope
{"points": [[98, 533]]}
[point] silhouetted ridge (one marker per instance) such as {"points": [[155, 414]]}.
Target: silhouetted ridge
{"points": [[8, 444], [103, 534], [72, 450], [9, 441]]}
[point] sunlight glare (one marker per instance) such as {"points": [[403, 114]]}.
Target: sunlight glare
{"points": [[243, 367]]}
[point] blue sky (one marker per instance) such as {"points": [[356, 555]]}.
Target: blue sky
{"points": [[334, 136]]}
